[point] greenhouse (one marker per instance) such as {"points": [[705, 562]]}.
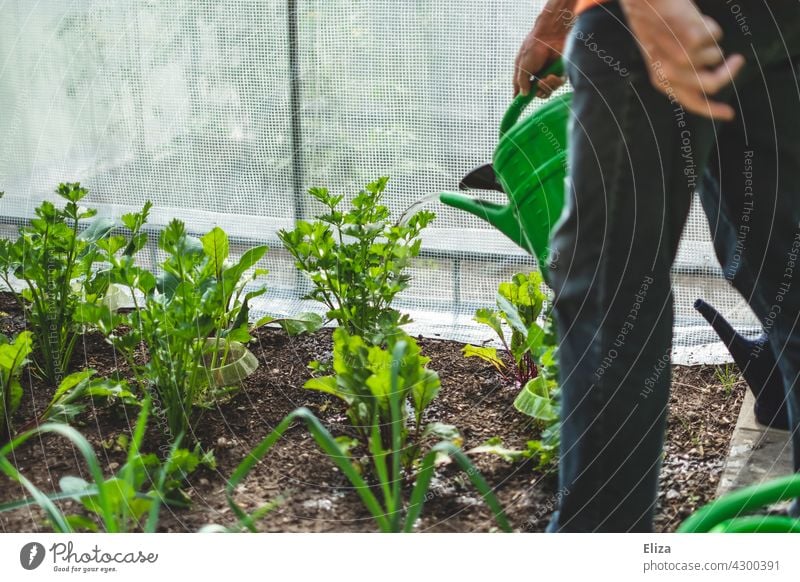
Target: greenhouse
{"points": [[313, 266]]}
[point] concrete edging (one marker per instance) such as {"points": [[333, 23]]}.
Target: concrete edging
{"points": [[757, 454]]}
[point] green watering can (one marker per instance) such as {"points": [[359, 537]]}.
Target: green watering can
{"points": [[529, 166]]}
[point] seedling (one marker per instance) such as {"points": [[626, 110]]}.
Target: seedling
{"points": [[130, 500]]}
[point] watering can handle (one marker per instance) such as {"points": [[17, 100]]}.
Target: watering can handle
{"points": [[521, 101]]}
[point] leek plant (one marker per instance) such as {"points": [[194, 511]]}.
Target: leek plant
{"points": [[384, 498], [130, 500]]}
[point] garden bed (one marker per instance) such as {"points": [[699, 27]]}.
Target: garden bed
{"points": [[316, 497]]}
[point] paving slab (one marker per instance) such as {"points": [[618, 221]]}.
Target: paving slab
{"points": [[757, 454]]}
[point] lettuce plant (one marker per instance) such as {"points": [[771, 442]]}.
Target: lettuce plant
{"points": [[356, 260], [362, 379]]}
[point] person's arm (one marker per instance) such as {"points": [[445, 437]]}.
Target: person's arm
{"points": [[543, 45], [680, 45]]}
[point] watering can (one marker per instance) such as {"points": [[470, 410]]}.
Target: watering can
{"points": [[758, 366], [529, 166]]}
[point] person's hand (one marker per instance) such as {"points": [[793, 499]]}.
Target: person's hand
{"points": [[680, 45], [543, 45]]}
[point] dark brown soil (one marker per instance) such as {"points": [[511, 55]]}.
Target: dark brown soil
{"points": [[316, 496]]}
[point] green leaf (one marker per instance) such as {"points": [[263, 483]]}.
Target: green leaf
{"points": [[325, 384], [75, 486], [13, 356], [511, 314], [488, 354], [216, 247], [98, 229], [425, 390], [306, 322], [534, 400], [495, 446], [491, 318], [248, 260], [443, 431], [239, 334], [82, 523], [534, 338], [71, 382]]}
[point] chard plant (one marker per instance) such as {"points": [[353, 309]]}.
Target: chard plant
{"points": [[362, 379], [532, 348], [384, 497], [53, 258], [356, 259], [519, 306], [130, 500]]}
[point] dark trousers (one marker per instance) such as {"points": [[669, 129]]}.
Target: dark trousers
{"points": [[636, 158]]}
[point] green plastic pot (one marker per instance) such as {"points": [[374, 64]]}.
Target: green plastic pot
{"points": [[530, 162], [727, 514], [241, 363]]}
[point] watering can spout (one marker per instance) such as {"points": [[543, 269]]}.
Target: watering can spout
{"points": [[740, 348], [500, 216], [758, 365]]}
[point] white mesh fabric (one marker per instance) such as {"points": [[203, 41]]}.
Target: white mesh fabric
{"points": [[223, 112]]}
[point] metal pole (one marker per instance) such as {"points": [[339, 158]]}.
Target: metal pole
{"points": [[295, 97]]}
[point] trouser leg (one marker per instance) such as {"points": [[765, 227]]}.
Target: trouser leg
{"points": [[632, 171], [751, 194], [635, 158]]}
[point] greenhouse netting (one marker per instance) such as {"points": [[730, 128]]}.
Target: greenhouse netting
{"points": [[224, 112]]}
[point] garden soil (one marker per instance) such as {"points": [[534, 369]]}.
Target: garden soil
{"points": [[311, 494]]}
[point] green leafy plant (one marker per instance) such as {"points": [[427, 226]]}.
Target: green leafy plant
{"points": [[73, 393], [130, 500], [356, 259], [519, 305], [192, 319], [385, 499], [727, 376], [362, 379], [533, 350], [539, 399], [56, 258], [13, 358]]}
